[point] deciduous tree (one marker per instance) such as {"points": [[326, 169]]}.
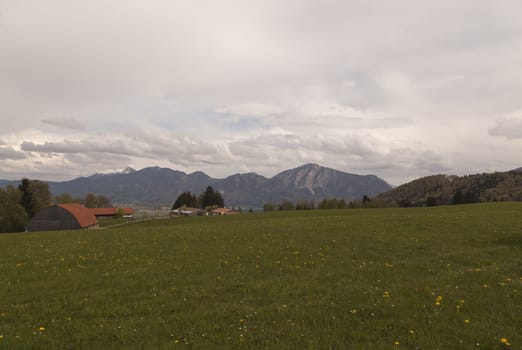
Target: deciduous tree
{"points": [[13, 216], [96, 201], [35, 196], [64, 198]]}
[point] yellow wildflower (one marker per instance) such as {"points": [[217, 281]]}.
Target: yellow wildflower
{"points": [[466, 321], [41, 329], [396, 342], [505, 341]]}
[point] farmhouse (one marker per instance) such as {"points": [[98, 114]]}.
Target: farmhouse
{"points": [[70, 216], [101, 213], [223, 211]]}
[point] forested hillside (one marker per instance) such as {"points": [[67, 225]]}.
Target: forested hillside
{"points": [[444, 189]]}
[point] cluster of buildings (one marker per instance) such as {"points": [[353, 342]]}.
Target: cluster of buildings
{"points": [[74, 216], [187, 211]]}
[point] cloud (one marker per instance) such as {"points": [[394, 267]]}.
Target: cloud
{"points": [[261, 86], [146, 144], [67, 123], [72, 147], [11, 153], [509, 127], [262, 150]]}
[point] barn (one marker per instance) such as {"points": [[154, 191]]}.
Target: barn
{"points": [[70, 216]]}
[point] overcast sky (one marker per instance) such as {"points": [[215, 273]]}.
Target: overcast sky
{"points": [[399, 89]]}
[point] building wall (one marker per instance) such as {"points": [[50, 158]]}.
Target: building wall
{"points": [[53, 219]]}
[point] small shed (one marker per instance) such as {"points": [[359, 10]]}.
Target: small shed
{"points": [[70, 216]]}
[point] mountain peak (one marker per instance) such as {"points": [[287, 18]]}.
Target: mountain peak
{"points": [[311, 165], [128, 170]]}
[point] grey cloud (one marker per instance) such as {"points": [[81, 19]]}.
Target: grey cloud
{"points": [[150, 145], [97, 161], [510, 128], [71, 147], [310, 113], [11, 153], [350, 146], [353, 153], [426, 161], [180, 150], [67, 123]]}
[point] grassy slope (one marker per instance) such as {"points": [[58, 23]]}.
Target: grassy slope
{"points": [[352, 279]]}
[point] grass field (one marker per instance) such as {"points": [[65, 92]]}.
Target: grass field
{"points": [[422, 278]]}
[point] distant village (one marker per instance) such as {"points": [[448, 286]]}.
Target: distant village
{"points": [[75, 216], [30, 207]]}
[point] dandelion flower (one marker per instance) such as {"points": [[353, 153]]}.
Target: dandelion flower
{"points": [[505, 341], [466, 321], [41, 329], [396, 342]]}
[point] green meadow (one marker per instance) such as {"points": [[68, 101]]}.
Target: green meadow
{"points": [[420, 278]]}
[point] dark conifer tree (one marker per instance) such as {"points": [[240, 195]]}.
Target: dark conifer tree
{"points": [[211, 198]]}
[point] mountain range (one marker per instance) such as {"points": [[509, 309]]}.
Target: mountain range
{"points": [[156, 187]]}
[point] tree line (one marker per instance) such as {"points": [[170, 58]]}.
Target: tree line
{"points": [[18, 204], [206, 200], [327, 203]]}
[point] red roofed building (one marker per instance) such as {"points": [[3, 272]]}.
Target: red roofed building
{"points": [[70, 216], [220, 211], [223, 211], [112, 212]]}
